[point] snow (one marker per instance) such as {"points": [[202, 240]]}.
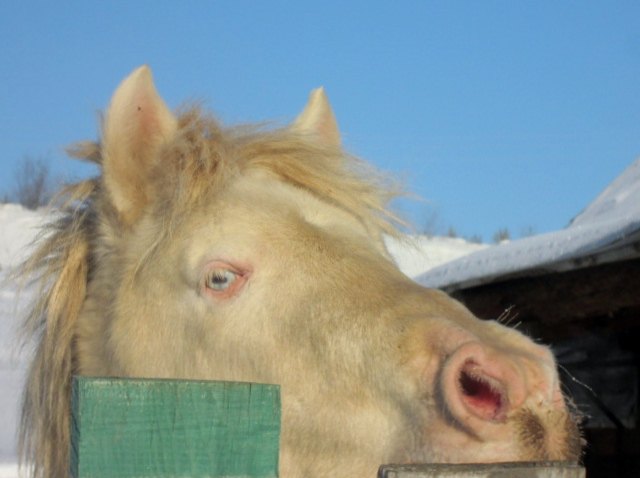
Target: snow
{"points": [[415, 254], [608, 229], [8, 470], [18, 229], [620, 201]]}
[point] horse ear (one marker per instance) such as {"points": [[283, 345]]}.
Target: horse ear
{"points": [[318, 119], [137, 124]]}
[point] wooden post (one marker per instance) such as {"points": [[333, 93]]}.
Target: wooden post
{"points": [[482, 470], [128, 428]]}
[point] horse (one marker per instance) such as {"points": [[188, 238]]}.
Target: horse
{"points": [[246, 253]]}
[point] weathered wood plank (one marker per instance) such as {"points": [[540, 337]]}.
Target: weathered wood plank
{"points": [[554, 299], [128, 428], [482, 470]]}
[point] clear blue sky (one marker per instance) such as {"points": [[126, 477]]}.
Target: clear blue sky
{"points": [[500, 114]]}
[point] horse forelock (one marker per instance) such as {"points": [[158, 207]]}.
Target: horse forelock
{"points": [[205, 157]]}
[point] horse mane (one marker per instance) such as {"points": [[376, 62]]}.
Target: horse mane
{"points": [[203, 157], [59, 266]]}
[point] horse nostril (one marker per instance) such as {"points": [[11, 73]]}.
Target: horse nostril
{"points": [[484, 395]]}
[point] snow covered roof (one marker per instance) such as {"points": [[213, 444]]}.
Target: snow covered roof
{"points": [[607, 230], [415, 254]]}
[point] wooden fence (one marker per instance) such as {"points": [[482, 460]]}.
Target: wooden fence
{"points": [[139, 428], [490, 470], [129, 428]]}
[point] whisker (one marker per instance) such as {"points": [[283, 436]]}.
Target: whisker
{"points": [[504, 317], [595, 399]]}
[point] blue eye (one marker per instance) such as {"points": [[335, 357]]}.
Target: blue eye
{"points": [[221, 279]]}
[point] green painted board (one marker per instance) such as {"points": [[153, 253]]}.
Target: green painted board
{"points": [[128, 428]]}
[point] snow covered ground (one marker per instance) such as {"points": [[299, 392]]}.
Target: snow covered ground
{"points": [[18, 228], [417, 254]]}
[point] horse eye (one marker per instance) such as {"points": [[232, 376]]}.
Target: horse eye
{"points": [[221, 279]]}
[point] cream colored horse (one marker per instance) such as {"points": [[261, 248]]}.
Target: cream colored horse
{"points": [[205, 252]]}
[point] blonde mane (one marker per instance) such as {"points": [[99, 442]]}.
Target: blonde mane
{"points": [[202, 159]]}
